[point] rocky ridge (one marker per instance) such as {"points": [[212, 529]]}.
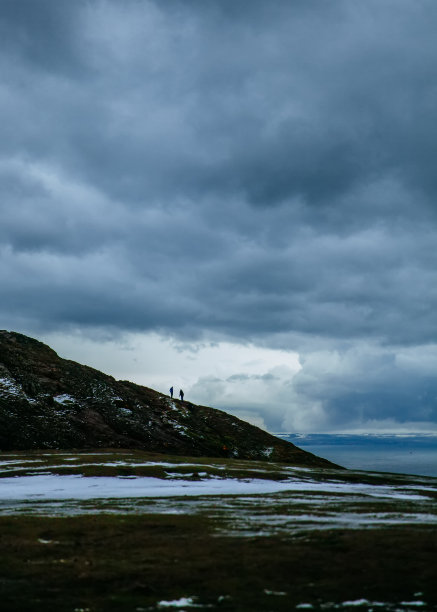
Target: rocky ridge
{"points": [[50, 402]]}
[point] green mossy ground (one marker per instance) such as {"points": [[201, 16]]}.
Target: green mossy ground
{"points": [[118, 562]]}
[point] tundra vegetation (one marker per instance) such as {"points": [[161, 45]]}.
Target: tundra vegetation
{"points": [[131, 530]]}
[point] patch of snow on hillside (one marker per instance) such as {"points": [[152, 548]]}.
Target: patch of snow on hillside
{"points": [[180, 428], [368, 605], [183, 602], [360, 602], [65, 399], [8, 386], [126, 411], [181, 409]]}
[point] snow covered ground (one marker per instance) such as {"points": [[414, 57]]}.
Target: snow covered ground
{"points": [[244, 497], [55, 487]]}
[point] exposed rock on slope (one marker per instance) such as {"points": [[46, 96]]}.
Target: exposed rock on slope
{"points": [[49, 402]]}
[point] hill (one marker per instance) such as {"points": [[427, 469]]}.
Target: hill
{"points": [[50, 402]]}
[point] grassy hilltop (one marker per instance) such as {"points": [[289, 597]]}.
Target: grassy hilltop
{"points": [[49, 402]]}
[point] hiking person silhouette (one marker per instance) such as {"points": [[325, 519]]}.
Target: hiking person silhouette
{"points": [[171, 392], [181, 395]]}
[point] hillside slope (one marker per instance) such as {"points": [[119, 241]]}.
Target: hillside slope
{"points": [[50, 402]]}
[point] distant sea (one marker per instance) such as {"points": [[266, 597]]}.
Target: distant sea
{"points": [[396, 453]]}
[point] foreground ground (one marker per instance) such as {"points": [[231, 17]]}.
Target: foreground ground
{"points": [[131, 531]]}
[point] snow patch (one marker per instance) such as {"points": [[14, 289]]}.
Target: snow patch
{"points": [[65, 399], [126, 411], [8, 386], [80, 487], [183, 602], [180, 428]]}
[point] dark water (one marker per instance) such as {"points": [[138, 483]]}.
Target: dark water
{"points": [[402, 454]]}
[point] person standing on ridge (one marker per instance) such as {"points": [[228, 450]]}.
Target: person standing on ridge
{"points": [[171, 392], [181, 395]]}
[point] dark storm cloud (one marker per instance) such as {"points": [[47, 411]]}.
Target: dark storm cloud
{"points": [[260, 172], [42, 33]]}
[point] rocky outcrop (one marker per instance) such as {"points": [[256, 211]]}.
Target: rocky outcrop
{"points": [[49, 402]]}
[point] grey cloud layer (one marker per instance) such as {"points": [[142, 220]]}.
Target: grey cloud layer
{"points": [[249, 171]]}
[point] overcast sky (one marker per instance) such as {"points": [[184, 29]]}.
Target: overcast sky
{"points": [[239, 198]]}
